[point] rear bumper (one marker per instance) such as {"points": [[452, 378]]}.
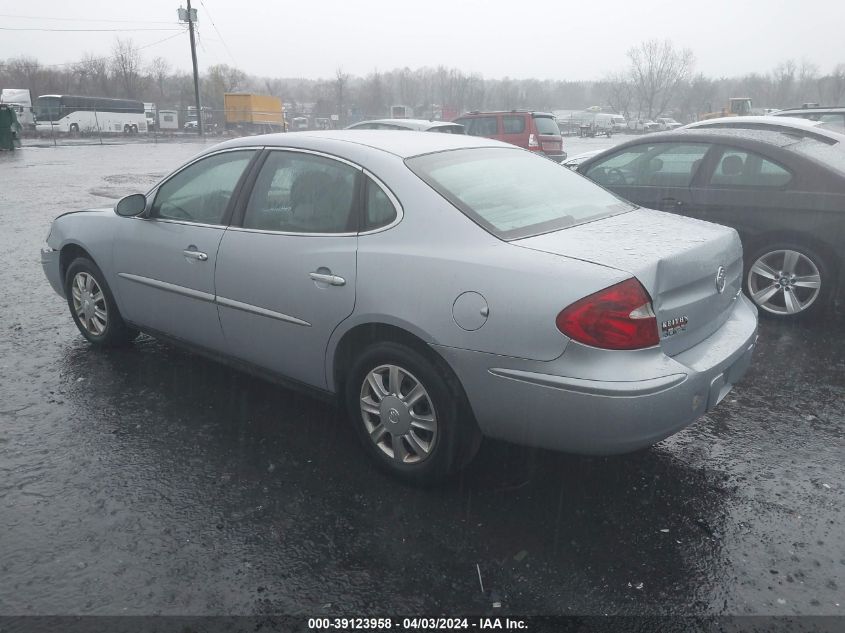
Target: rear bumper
{"points": [[605, 402], [558, 158]]}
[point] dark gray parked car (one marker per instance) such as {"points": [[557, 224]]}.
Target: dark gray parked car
{"points": [[441, 286], [784, 191]]}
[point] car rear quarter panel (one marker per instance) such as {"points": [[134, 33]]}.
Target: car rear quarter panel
{"points": [[411, 275]]}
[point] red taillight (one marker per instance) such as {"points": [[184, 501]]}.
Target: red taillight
{"points": [[618, 317], [532, 142]]}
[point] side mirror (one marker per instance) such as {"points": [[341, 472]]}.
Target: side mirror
{"points": [[131, 205]]}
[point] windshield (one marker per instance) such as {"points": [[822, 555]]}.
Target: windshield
{"points": [[513, 193], [48, 108]]}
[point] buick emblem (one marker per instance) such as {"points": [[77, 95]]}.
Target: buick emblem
{"points": [[721, 279], [393, 416]]}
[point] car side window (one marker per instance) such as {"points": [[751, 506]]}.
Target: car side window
{"points": [[378, 208], [513, 124], [834, 120], [748, 169], [480, 126], [619, 168], [201, 192], [303, 193], [660, 165]]}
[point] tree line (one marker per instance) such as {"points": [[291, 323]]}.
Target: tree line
{"points": [[656, 79]]}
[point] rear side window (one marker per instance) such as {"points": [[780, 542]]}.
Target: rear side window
{"points": [[303, 193], [378, 208], [546, 125], [513, 124], [480, 126], [746, 169], [512, 193]]}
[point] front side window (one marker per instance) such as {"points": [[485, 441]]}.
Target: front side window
{"points": [[201, 192], [652, 165], [747, 169], [512, 193], [303, 193]]}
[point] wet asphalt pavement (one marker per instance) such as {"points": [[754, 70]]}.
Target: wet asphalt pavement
{"points": [[152, 481]]}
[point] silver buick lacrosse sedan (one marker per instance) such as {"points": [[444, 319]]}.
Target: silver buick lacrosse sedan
{"points": [[441, 287]]}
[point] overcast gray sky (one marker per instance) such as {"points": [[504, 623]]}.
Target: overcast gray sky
{"points": [[566, 39]]}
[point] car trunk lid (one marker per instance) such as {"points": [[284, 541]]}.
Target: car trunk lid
{"points": [[691, 269]]}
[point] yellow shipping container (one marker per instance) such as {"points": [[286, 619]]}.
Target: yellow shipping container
{"points": [[245, 108]]}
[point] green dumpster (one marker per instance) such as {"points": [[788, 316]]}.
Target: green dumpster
{"points": [[9, 127]]}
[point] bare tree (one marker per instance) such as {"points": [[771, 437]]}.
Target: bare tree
{"points": [[619, 93], [126, 67], [657, 71], [26, 72], [836, 84], [159, 71], [341, 79]]}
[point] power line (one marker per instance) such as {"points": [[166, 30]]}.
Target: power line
{"points": [[6, 28], [115, 20], [222, 39], [107, 57]]}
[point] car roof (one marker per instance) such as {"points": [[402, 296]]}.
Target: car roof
{"points": [[775, 123], [814, 110], [488, 112], [402, 143], [749, 139], [417, 124]]}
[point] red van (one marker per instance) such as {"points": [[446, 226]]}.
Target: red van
{"points": [[535, 131]]}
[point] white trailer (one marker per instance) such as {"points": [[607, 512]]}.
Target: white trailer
{"points": [[168, 120], [20, 100]]}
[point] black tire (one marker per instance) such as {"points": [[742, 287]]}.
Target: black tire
{"points": [[126, 129], [826, 273], [115, 332], [457, 438], [134, 129], [74, 129]]}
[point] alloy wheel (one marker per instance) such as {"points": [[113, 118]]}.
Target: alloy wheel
{"points": [[89, 303], [784, 282], [398, 414]]}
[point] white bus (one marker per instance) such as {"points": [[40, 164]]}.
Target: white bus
{"points": [[79, 115]]}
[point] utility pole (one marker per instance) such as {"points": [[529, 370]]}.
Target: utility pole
{"points": [[190, 17]]}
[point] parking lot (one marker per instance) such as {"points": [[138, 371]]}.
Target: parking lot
{"points": [[152, 481]]}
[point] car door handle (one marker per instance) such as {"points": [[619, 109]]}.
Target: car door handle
{"points": [[332, 280], [198, 255]]}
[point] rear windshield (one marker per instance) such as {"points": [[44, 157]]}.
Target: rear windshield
{"points": [[832, 155], [546, 125], [448, 129], [513, 193]]}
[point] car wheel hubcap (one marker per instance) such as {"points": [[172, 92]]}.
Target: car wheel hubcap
{"points": [[398, 414], [89, 303], [784, 282]]}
